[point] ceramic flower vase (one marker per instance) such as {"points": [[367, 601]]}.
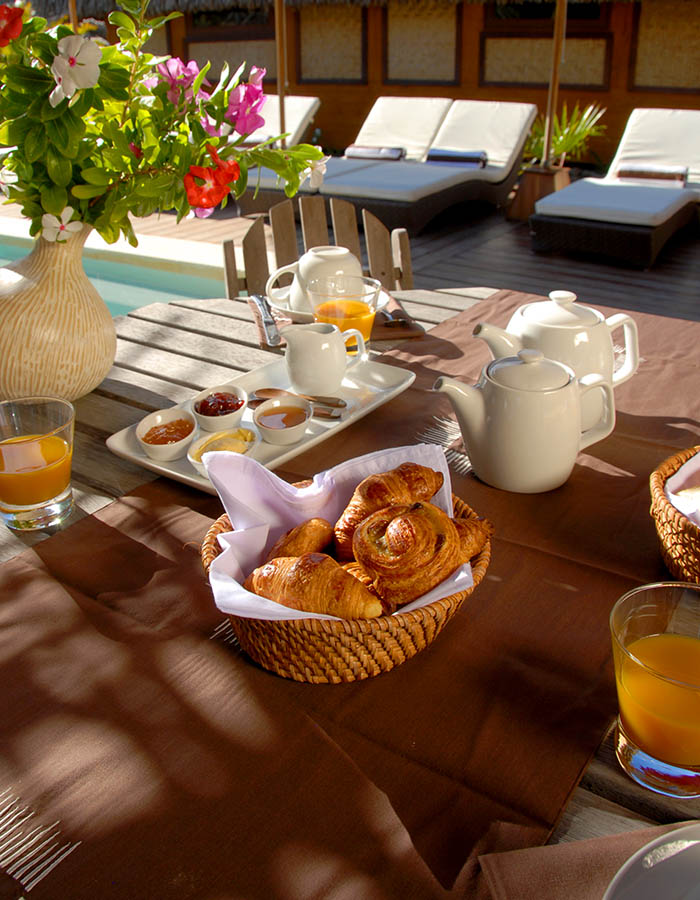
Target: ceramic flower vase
{"points": [[57, 336]]}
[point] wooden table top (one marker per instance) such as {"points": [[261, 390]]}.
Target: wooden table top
{"points": [[165, 354]]}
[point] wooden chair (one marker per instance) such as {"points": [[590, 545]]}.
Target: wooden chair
{"points": [[388, 253]]}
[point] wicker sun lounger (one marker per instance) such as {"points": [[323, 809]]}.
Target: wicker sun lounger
{"points": [[651, 191]]}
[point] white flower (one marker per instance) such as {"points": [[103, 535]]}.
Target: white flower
{"points": [[76, 66], [54, 229], [7, 177], [315, 172]]}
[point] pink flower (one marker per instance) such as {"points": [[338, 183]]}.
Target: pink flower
{"points": [[245, 103], [180, 77]]}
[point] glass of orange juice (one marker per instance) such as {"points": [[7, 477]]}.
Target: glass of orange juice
{"points": [[656, 648], [36, 450], [348, 301]]}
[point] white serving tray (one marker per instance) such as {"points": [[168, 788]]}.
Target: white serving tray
{"points": [[366, 386]]}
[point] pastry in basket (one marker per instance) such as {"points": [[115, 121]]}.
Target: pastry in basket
{"points": [[473, 534], [405, 484], [316, 583], [407, 550], [355, 569], [311, 536]]}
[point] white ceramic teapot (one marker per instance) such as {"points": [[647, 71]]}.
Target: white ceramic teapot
{"points": [[317, 262], [317, 358], [576, 335], [521, 423]]}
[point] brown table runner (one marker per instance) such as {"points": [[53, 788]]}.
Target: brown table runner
{"points": [[187, 772]]}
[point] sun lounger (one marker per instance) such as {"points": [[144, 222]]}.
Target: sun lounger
{"points": [[410, 193], [650, 192]]}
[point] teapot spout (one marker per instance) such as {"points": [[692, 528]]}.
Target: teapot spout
{"points": [[500, 342], [468, 404]]}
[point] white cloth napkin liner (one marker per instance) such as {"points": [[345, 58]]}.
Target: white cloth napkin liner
{"points": [[262, 507], [686, 478]]}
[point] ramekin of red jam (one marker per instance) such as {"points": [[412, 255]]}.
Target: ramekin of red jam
{"points": [[166, 434], [219, 407]]}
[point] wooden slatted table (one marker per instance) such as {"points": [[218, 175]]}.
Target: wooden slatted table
{"points": [[165, 354]]}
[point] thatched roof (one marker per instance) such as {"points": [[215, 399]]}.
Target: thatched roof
{"points": [[99, 9]]}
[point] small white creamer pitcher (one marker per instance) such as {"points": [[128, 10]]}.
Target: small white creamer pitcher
{"points": [[317, 358], [317, 262]]}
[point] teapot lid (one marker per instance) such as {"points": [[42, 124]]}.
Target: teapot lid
{"points": [[529, 371], [561, 309]]}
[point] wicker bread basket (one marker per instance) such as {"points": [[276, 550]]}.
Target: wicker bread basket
{"points": [[680, 538], [322, 651]]}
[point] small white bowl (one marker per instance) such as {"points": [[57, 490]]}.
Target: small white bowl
{"points": [[165, 452], [287, 435], [227, 420], [196, 449]]}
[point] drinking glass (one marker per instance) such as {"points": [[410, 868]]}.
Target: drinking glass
{"points": [[36, 449], [348, 301], [656, 648]]}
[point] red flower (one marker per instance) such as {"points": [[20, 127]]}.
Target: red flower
{"points": [[136, 150], [10, 24], [217, 181]]}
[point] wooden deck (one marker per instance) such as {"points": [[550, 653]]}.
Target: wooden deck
{"points": [[477, 247]]}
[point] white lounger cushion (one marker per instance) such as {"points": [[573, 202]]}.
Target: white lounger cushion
{"points": [[498, 128], [299, 113], [409, 122], [604, 200], [661, 137], [404, 182]]}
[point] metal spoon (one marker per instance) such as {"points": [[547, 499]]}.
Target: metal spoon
{"points": [[273, 393]]}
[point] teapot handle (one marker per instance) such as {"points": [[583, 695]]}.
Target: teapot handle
{"points": [[631, 363], [606, 424], [293, 268]]}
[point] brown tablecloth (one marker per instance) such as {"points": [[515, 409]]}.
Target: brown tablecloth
{"points": [[187, 772]]}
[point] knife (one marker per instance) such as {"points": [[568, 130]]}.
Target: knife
{"points": [[272, 335]]}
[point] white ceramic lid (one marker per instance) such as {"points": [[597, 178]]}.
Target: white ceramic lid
{"points": [[529, 371], [561, 310]]}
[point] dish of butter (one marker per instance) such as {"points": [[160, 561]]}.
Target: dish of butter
{"points": [[240, 440]]}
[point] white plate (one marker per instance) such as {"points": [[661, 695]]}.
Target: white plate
{"points": [[281, 300], [667, 868], [366, 386]]}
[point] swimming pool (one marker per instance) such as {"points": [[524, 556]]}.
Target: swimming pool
{"points": [[125, 285]]}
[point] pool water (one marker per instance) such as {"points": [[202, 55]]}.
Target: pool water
{"points": [[125, 286]]}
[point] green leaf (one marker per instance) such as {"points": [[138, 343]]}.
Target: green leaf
{"points": [[95, 175], [54, 200], [27, 79], [114, 81], [35, 143], [123, 21], [59, 168], [87, 191]]}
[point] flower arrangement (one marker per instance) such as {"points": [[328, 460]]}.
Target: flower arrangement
{"points": [[91, 133]]}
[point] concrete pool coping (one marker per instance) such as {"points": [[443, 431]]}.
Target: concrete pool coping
{"points": [[173, 254]]}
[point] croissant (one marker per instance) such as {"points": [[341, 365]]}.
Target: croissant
{"points": [[407, 550], [311, 536], [405, 484], [355, 569], [316, 583], [473, 534]]}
